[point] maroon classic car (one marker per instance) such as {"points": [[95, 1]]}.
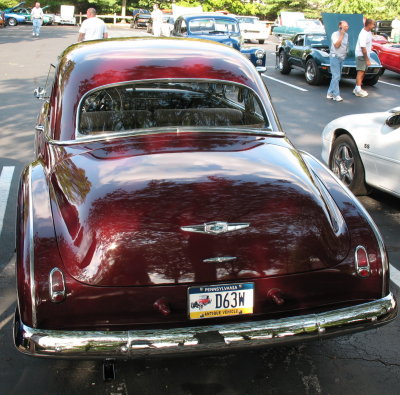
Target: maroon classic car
{"points": [[389, 55], [167, 212]]}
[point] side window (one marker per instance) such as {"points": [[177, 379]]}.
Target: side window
{"points": [[299, 41], [183, 27]]}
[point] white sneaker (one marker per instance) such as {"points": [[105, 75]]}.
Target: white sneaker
{"points": [[360, 93], [329, 96], [33, 34], [337, 98]]}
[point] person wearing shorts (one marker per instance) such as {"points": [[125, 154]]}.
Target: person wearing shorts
{"points": [[363, 52]]}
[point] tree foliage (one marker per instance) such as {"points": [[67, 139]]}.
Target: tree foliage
{"points": [[268, 9]]}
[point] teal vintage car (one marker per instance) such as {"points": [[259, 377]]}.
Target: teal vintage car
{"points": [[299, 26], [309, 52], [25, 12]]}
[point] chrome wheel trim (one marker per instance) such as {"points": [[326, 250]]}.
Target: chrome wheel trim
{"points": [[310, 71], [281, 57], [343, 164]]}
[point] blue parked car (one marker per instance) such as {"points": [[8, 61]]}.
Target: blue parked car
{"points": [[221, 28], [14, 18]]}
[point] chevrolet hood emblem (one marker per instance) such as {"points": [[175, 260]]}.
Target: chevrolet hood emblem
{"points": [[215, 228]]}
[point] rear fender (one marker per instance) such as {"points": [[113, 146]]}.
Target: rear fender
{"points": [[37, 251], [360, 224]]}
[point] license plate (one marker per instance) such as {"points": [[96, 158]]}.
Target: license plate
{"points": [[211, 301]]}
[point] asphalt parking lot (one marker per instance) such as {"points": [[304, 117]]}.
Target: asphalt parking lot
{"points": [[364, 363]]}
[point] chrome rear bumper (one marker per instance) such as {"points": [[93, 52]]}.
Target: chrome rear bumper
{"points": [[135, 343]]}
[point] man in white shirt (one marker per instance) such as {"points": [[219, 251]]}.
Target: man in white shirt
{"points": [[157, 20], [37, 18], [92, 28], [395, 25], [363, 51], [337, 55]]}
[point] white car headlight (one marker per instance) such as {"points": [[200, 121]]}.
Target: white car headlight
{"points": [[260, 53]]}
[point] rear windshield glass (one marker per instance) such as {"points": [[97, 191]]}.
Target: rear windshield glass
{"points": [[213, 26], [170, 104]]}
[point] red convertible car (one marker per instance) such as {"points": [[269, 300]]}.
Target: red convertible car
{"points": [[389, 55], [167, 212]]}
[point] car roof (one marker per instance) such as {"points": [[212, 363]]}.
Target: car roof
{"points": [[88, 65], [207, 15]]}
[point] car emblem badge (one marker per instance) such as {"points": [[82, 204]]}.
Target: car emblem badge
{"points": [[215, 228]]}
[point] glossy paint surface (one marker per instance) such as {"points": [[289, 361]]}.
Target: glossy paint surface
{"points": [[389, 55], [86, 66], [108, 213], [118, 221]]}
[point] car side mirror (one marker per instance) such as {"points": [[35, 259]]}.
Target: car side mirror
{"points": [[393, 121], [39, 93]]}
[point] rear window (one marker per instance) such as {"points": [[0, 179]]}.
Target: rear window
{"points": [[169, 104]]}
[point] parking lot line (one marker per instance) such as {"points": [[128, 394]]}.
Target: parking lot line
{"points": [[285, 83], [388, 83], [5, 183], [395, 275]]}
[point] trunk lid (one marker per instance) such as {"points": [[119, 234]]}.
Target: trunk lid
{"points": [[119, 212]]}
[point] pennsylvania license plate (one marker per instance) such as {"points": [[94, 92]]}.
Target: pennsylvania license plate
{"points": [[211, 301]]}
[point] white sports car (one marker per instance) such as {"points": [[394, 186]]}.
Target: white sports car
{"points": [[364, 150], [253, 29]]}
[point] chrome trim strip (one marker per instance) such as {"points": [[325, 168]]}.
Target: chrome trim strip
{"points": [[135, 343], [368, 268], [146, 132], [54, 295], [32, 252], [220, 259], [377, 233]]}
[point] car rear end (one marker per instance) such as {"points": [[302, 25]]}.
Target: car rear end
{"points": [[179, 218]]}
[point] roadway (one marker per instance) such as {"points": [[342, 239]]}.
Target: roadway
{"points": [[364, 363]]}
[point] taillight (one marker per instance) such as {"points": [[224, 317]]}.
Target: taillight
{"points": [[57, 286], [362, 262]]}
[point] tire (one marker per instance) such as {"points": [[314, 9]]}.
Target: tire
{"points": [[372, 80], [312, 73], [346, 163], [261, 41], [283, 63], [12, 22]]}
